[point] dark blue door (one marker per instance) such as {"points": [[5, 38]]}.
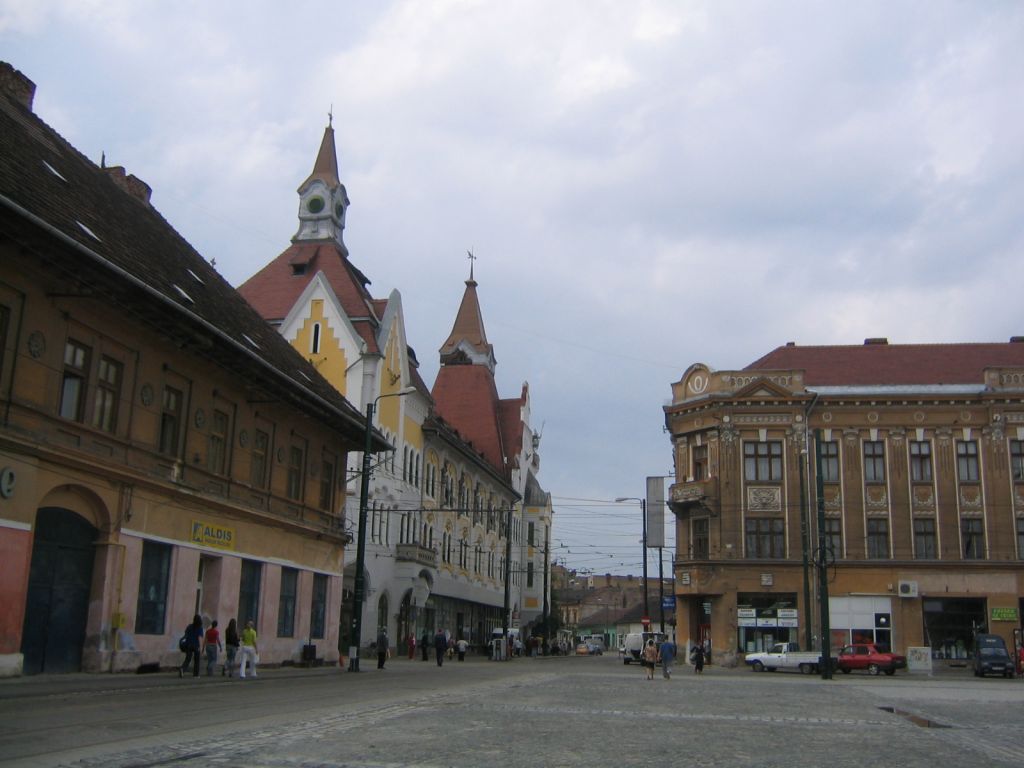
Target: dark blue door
{"points": [[58, 592]]}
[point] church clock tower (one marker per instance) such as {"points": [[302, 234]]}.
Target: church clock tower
{"points": [[323, 201]]}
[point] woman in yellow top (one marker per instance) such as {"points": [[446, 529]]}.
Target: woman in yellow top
{"points": [[248, 650]]}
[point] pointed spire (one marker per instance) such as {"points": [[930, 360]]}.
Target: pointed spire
{"points": [[325, 168], [467, 343]]}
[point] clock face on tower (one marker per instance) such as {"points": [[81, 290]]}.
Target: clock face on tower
{"points": [[339, 209], [315, 204]]}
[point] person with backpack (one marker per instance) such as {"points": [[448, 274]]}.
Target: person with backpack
{"points": [[231, 644], [190, 643]]}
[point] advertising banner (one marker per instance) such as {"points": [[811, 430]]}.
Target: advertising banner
{"points": [[655, 512]]}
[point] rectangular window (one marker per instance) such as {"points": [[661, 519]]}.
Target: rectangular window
{"points": [[328, 481], [286, 602], [920, 461], [318, 608], [170, 421], [700, 462], [260, 452], [878, 539], [529, 534], [700, 538], [218, 452], [529, 574], [834, 536], [973, 532], [5, 324], [108, 395], [296, 458], [1017, 460], [830, 461], [765, 537], [1020, 538], [73, 385], [154, 575], [967, 461], [249, 593], [925, 547], [874, 461], [762, 462]]}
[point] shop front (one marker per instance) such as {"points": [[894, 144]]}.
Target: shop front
{"points": [[763, 619]]}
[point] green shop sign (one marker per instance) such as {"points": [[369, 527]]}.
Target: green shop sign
{"points": [[1004, 614]]}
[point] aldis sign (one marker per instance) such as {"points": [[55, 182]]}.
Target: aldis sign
{"points": [[211, 535]]}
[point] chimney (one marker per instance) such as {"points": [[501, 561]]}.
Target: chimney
{"points": [[133, 185], [16, 86], [875, 340]]}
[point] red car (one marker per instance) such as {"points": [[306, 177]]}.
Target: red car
{"points": [[867, 656]]}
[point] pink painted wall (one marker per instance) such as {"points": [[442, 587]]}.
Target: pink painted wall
{"points": [[15, 559]]}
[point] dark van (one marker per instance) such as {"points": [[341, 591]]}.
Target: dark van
{"points": [[990, 656]]}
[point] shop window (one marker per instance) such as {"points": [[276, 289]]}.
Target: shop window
{"points": [[829, 461], [874, 461], [154, 574], [75, 378], [318, 607], [762, 462], [700, 539], [765, 538], [925, 545], [973, 532], [967, 461], [878, 538], [920, 461], [249, 593], [286, 602]]}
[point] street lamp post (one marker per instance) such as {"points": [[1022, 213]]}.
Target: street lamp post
{"points": [[364, 496], [643, 514]]}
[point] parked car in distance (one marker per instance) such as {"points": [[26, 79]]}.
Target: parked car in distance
{"points": [[634, 643], [785, 656], [866, 656], [589, 649], [991, 656]]}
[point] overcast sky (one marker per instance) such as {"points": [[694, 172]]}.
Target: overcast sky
{"points": [[646, 185]]}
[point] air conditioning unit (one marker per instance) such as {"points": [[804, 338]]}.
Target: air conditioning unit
{"points": [[908, 589]]}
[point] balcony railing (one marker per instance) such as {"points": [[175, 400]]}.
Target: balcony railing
{"points": [[690, 495], [416, 553]]}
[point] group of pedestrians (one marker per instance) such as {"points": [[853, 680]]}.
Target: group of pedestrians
{"points": [[241, 647], [665, 654]]}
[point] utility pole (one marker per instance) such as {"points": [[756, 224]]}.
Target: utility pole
{"points": [[508, 578], [805, 544], [661, 593], [547, 633], [825, 661]]}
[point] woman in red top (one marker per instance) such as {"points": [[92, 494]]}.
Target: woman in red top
{"points": [[212, 644]]}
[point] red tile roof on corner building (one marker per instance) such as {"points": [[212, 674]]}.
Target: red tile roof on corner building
{"points": [[466, 398], [892, 364], [274, 290]]}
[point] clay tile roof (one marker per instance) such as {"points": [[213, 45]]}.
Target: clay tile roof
{"points": [[892, 364], [274, 290], [466, 398]]}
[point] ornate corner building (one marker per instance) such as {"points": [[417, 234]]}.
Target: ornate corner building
{"points": [[921, 472]]}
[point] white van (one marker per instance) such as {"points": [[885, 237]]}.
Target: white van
{"points": [[634, 643]]}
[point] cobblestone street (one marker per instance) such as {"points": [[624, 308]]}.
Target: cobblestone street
{"points": [[591, 711]]}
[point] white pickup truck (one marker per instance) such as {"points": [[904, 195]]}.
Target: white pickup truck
{"points": [[785, 656]]}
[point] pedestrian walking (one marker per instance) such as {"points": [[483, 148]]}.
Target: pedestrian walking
{"points": [[667, 657], [231, 643], [190, 643], [697, 657], [211, 645], [649, 658], [412, 646], [461, 646], [440, 646], [250, 651], [383, 648], [425, 644]]}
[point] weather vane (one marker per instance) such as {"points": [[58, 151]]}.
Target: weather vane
{"points": [[472, 258], [330, 117]]}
